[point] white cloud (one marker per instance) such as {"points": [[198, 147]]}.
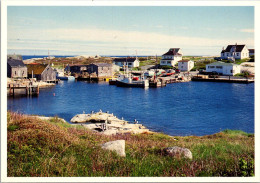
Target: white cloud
{"points": [[247, 30], [104, 41]]}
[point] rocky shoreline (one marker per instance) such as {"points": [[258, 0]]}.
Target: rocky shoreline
{"points": [[105, 123], [108, 124]]}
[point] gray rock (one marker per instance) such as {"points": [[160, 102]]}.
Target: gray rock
{"points": [[178, 152], [118, 146], [80, 118]]}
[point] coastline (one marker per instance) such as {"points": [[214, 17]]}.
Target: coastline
{"points": [[222, 154]]}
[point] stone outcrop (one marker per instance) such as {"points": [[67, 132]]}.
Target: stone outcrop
{"points": [[178, 152], [118, 146], [108, 124]]}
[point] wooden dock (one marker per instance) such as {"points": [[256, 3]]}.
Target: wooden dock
{"points": [[17, 89], [224, 80]]}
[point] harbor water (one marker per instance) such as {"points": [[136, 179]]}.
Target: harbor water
{"points": [[192, 108]]}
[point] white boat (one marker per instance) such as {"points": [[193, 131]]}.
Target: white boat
{"points": [[129, 81], [66, 78]]}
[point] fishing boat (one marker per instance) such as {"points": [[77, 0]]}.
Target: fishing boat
{"points": [[129, 81], [66, 78]]}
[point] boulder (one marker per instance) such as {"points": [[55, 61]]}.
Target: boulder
{"points": [[178, 152], [118, 146], [80, 118]]}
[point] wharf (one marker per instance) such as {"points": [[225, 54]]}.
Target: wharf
{"points": [[17, 89], [225, 80], [92, 78]]}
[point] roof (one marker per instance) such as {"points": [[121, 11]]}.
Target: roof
{"points": [[184, 60], [239, 48], [15, 63], [251, 50], [36, 68], [219, 63], [125, 59], [173, 51], [76, 65], [102, 64]]}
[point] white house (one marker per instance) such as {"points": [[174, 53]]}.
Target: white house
{"points": [[235, 52], [223, 68], [127, 61], [171, 57], [185, 65]]}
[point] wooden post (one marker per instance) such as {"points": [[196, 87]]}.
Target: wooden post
{"points": [[10, 89], [38, 90]]}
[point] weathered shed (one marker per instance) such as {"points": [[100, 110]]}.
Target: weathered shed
{"points": [[101, 69], [41, 72], [75, 68], [16, 68]]}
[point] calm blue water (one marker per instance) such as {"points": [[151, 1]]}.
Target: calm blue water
{"points": [[193, 108], [25, 57]]}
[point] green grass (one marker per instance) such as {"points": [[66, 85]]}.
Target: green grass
{"points": [[53, 148], [240, 61]]}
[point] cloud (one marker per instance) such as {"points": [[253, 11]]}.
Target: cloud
{"points": [[247, 30], [104, 41]]}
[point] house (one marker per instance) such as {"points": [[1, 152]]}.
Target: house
{"points": [[185, 65], [41, 72], [223, 68], [75, 68], [171, 57], [127, 61], [100, 69], [251, 52], [235, 52], [16, 68]]}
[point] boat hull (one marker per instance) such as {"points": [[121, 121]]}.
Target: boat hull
{"points": [[66, 77], [136, 84]]}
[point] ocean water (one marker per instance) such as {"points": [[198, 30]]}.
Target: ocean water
{"points": [[192, 108], [25, 57]]}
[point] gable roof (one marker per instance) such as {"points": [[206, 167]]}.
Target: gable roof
{"points": [[102, 64], [125, 59], [173, 51], [219, 63], [251, 50], [15, 63], [36, 68], [239, 48]]}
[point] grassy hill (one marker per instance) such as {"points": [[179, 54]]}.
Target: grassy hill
{"points": [[54, 148]]}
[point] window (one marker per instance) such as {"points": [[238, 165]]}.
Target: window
{"points": [[211, 67], [168, 62], [219, 67], [237, 54], [163, 62], [227, 54], [181, 66], [182, 62], [14, 72], [231, 71]]}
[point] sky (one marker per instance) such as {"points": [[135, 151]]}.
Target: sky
{"points": [[127, 30]]}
